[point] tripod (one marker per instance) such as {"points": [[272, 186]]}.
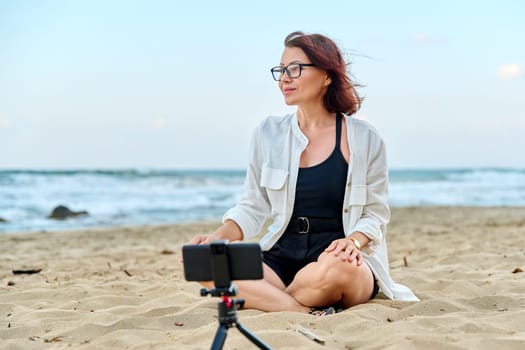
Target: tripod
{"points": [[227, 309]]}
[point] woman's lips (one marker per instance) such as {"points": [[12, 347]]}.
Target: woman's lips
{"points": [[288, 90]]}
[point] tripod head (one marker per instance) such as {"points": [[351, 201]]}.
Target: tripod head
{"points": [[230, 291]]}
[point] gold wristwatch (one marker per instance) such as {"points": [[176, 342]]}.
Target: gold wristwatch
{"points": [[357, 244]]}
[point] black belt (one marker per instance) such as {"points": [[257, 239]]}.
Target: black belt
{"points": [[303, 224]]}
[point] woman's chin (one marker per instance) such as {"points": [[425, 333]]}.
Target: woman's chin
{"points": [[290, 101]]}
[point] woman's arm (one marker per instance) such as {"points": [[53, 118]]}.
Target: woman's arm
{"points": [[248, 216], [376, 212]]}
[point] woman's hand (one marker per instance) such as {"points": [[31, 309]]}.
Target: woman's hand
{"points": [[203, 239], [229, 231], [346, 249]]}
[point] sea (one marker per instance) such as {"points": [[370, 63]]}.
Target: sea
{"points": [[134, 197]]}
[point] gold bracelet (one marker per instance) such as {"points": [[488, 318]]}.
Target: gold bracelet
{"points": [[357, 244]]}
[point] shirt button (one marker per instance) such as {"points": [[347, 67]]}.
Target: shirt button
{"points": [[346, 210]]}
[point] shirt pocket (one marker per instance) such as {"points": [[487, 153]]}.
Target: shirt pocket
{"points": [[272, 178], [357, 195], [274, 182]]}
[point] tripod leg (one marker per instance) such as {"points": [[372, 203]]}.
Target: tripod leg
{"points": [[220, 337], [253, 338]]}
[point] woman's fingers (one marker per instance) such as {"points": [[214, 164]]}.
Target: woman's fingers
{"points": [[345, 250], [351, 253], [340, 246], [348, 254], [359, 259], [200, 239], [331, 246], [340, 249], [195, 240]]}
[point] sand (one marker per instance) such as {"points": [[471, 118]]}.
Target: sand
{"points": [[124, 289]]}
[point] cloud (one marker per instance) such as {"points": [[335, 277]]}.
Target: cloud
{"points": [[4, 122], [509, 71]]}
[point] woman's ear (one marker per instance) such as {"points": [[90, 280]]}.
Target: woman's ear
{"points": [[327, 81]]}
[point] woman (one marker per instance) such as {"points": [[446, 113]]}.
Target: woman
{"points": [[321, 177]]}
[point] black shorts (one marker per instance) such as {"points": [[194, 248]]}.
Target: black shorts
{"points": [[293, 251]]}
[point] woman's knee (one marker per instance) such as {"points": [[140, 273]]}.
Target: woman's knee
{"points": [[337, 271], [328, 272]]}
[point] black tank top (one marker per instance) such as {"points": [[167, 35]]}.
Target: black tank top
{"points": [[321, 188]]}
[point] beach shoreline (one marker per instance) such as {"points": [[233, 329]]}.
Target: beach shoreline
{"points": [[123, 287]]}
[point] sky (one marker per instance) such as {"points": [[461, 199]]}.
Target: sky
{"points": [[182, 84]]}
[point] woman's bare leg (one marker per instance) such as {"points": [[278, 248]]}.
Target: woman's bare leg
{"points": [[267, 294], [330, 280]]}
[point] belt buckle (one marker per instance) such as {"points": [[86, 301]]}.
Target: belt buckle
{"points": [[303, 219]]}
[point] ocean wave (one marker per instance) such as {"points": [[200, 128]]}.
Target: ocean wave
{"points": [[144, 196]]}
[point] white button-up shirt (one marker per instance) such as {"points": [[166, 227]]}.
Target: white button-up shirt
{"points": [[271, 179]]}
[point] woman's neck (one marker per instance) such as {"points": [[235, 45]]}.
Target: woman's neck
{"points": [[314, 117]]}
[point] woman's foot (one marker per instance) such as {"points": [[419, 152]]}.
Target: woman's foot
{"points": [[324, 312]]}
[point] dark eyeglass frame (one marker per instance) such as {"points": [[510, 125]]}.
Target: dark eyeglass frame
{"points": [[278, 71]]}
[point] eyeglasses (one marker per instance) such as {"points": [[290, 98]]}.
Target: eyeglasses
{"points": [[293, 70]]}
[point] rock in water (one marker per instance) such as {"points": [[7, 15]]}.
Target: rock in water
{"points": [[62, 212], [2, 219]]}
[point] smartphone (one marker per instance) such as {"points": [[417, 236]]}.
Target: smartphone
{"points": [[222, 262]]}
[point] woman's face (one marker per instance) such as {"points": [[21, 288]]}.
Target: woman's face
{"points": [[310, 87]]}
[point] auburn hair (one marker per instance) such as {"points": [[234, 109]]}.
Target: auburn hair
{"points": [[341, 95]]}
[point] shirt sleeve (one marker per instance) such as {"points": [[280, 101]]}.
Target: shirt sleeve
{"points": [[376, 213], [252, 210]]}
